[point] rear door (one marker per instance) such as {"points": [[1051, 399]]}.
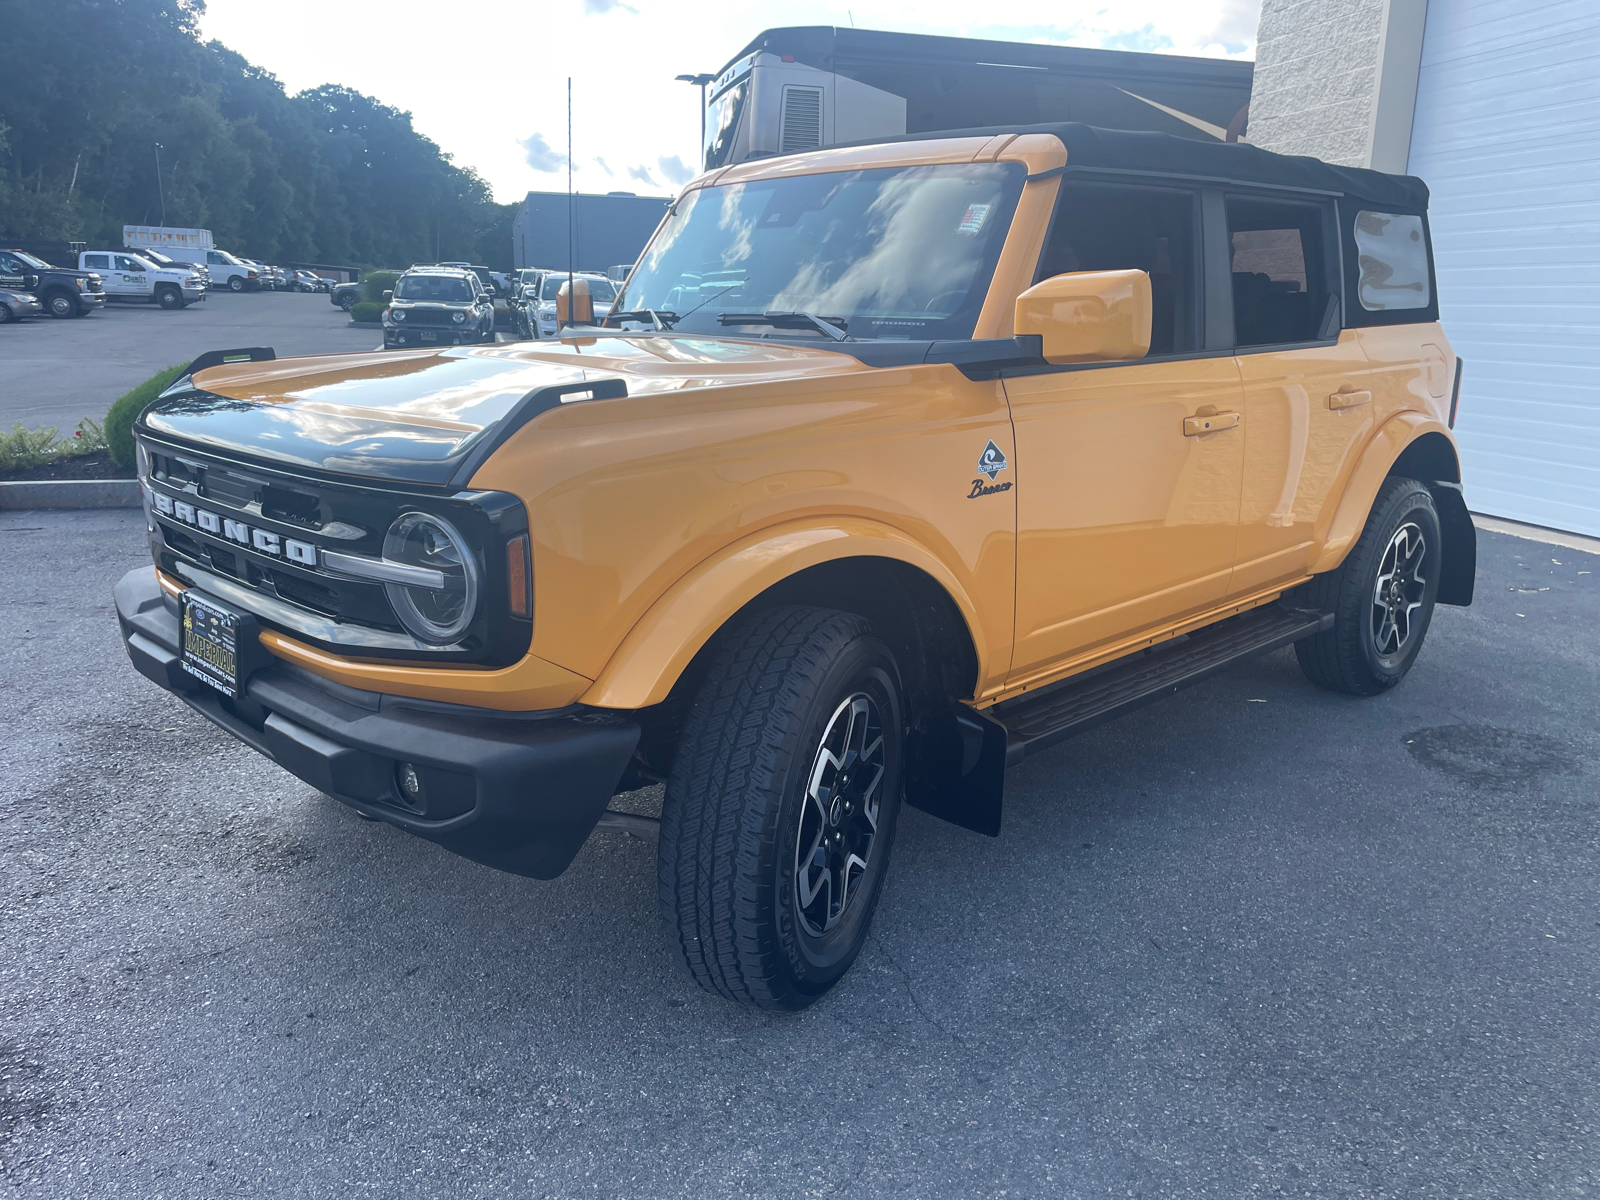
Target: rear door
{"points": [[1308, 397]]}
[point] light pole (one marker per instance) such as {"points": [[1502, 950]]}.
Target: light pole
{"points": [[162, 192], [699, 81]]}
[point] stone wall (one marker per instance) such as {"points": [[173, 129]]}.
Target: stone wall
{"points": [[1317, 66]]}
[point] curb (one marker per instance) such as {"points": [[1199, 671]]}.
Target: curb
{"points": [[70, 493]]}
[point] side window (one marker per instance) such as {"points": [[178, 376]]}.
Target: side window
{"points": [[1118, 228], [97, 262], [124, 263], [1394, 261], [1282, 287]]}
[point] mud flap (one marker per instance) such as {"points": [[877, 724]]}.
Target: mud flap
{"points": [[957, 770], [1460, 570]]}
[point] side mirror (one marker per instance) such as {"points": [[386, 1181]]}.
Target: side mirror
{"points": [[578, 303], [388, 296], [1089, 316]]}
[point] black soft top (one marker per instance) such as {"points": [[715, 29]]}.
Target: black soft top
{"points": [[1232, 162]]}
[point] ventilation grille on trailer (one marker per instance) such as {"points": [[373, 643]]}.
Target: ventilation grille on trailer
{"points": [[802, 120]]}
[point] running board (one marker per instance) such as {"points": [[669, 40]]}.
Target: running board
{"points": [[1035, 722]]}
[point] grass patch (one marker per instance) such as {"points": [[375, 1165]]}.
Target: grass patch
{"points": [[126, 410]]}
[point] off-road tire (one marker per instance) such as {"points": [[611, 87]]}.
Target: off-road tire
{"points": [[737, 794], [60, 304], [1346, 657]]}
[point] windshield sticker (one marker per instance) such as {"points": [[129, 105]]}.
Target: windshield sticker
{"points": [[972, 220]]}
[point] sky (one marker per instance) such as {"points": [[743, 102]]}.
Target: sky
{"points": [[488, 81]]}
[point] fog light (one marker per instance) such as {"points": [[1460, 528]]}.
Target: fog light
{"points": [[410, 782]]}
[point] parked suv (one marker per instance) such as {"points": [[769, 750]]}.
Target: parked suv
{"points": [[344, 295], [64, 292], [437, 306], [134, 279], [892, 466]]}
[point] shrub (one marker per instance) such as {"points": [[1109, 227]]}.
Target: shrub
{"points": [[23, 448], [126, 410], [375, 283], [366, 313]]}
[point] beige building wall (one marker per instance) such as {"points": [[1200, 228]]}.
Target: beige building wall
{"points": [[1337, 79]]}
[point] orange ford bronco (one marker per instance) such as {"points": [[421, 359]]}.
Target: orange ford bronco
{"points": [[890, 466]]}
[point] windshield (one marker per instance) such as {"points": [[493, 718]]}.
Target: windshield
{"points": [[722, 123], [600, 290], [32, 261], [894, 253], [441, 289]]}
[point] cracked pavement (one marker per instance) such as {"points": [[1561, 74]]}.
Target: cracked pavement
{"points": [[1255, 940]]}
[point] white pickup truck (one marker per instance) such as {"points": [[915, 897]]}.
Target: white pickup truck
{"points": [[131, 278]]}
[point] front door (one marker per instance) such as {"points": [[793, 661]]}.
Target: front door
{"points": [[1308, 400], [132, 281], [1129, 475]]}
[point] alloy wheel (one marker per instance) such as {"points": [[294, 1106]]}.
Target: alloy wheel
{"points": [[1399, 590], [838, 824]]}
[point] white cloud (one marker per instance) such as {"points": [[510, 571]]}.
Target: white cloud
{"points": [[675, 169], [642, 174], [622, 56], [541, 155]]}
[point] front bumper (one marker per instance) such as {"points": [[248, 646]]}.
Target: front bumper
{"points": [[517, 791], [441, 335], [88, 300], [190, 295]]}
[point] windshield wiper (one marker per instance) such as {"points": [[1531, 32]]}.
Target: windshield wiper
{"points": [[659, 317], [787, 320]]}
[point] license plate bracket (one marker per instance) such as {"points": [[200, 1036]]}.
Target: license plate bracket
{"points": [[220, 645]]}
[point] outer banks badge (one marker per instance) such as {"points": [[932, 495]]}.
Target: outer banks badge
{"points": [[991, 462]]}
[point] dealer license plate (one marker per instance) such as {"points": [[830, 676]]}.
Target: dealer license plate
{"points": [[211, 634]]}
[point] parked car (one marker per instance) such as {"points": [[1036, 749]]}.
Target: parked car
{"points": [[63, 291], [521, 281], [133, 279], [538, 313], [14, 306], [172, 264], [432, 306], [485, 276], [344, 295], [867, 509], [309, 281], [233, 273]]}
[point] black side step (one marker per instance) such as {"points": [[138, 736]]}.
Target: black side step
{"points": [[1034, 722]]}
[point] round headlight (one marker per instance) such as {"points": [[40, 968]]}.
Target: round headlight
{"points": [[438, 615], [460, 318], [397, 314]]}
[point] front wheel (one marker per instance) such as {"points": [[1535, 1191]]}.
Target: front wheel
{"points": [[781, 807], [1382, 596], [170, 298], [235, 284], [61, 304]]}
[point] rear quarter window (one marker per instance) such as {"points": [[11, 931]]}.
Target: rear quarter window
{"points": [[1393, 261]]}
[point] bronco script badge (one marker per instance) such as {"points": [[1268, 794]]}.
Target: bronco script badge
{"points": [[991, 462]]}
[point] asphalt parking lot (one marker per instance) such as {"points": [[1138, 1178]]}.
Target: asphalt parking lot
{"points": [[1257, 940], [58, 372]]}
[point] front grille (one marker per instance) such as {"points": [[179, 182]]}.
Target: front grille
{"points": [[94, 285], [432, 317], [254, 536]]}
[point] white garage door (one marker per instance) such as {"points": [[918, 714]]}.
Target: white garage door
{"points": [[1507, 136]]}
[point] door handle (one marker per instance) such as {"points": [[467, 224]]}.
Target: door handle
{"points": [[1213, 422], [1348, 399]]}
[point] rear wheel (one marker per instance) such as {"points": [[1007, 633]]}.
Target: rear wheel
{"points": [[347, 302], [781, 807], [1382, 597]]}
